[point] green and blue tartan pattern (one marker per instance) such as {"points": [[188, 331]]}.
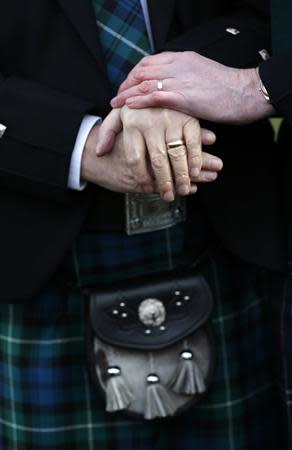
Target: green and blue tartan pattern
{"points": [[123, 36], [281, 16], [110, 257], [48, 403]]}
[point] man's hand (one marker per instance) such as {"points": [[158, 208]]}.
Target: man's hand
{"points": [[146, 133], [197, 86], [145, 136], [124, 166], [109, 171]]}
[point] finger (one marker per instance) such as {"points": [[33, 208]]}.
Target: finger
{"points": [[211, 162], [153, 60], [194, 188], [205, 176], [159, 58], [135, 156], [179, 160], [144, 88], [111, 126], [192, 136], [171, 100], [141, 73], [207, 137], [160, 165]]}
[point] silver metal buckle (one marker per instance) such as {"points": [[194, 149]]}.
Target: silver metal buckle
{"points": [[148, 212]]}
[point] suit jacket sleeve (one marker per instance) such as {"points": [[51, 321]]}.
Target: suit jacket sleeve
{"points": [[276, 74], [42, 124], [250, 23], [252, 20]]}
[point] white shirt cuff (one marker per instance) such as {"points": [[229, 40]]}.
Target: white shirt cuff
{"points": [[74, 181]]}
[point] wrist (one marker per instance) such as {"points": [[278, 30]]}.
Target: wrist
{"points": [[74, 177], [247, 102], [264, 91], [260, 105], [89, 159]]}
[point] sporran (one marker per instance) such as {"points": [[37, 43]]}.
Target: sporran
{"points": [[149, 344]]}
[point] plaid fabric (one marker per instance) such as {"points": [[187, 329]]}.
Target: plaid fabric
{"points": [[279, 289], [108, 257], [123, 36], [281, 24], [48, 403]]}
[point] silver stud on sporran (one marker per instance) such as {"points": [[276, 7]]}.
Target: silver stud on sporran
{"points": [[153, 379]]}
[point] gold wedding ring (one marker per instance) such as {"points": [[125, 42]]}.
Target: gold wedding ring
{"points": [[175, 144], [160, 85]]}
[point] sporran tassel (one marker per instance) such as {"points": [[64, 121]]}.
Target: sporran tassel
{"points": [[118, 395], [188, 378], [158, 400]]}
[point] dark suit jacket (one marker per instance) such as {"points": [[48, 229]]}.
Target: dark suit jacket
{"points": [[52, 74], [276, 74]]}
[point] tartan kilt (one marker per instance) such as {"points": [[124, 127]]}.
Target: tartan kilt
{"points": [[47, 400]]}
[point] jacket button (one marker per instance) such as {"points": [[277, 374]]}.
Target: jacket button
{"points": [[233, 31], [2, 130], [264, 54]]}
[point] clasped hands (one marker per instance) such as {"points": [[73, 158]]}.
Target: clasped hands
{"points": [[128, 153]]}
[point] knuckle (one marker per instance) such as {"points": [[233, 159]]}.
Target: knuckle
{"points": [[177, 154], [128, 117], [144, 87], [158, 161], [132, 160], [177, 158], [143, 179], [144, 61], [196, 163], [194, 143], [156, 96], [139, 74], [182, 178], [195, 159], [165, 185]]}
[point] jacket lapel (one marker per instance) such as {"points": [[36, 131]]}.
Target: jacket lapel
{"points": [[81, 15], [161, 13]]}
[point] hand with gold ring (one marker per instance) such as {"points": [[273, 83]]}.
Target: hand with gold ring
{"points": [[204, 88], [211, 165], [147, 132]]}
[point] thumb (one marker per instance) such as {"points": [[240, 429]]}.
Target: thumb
{"points": [[109, 129]]}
